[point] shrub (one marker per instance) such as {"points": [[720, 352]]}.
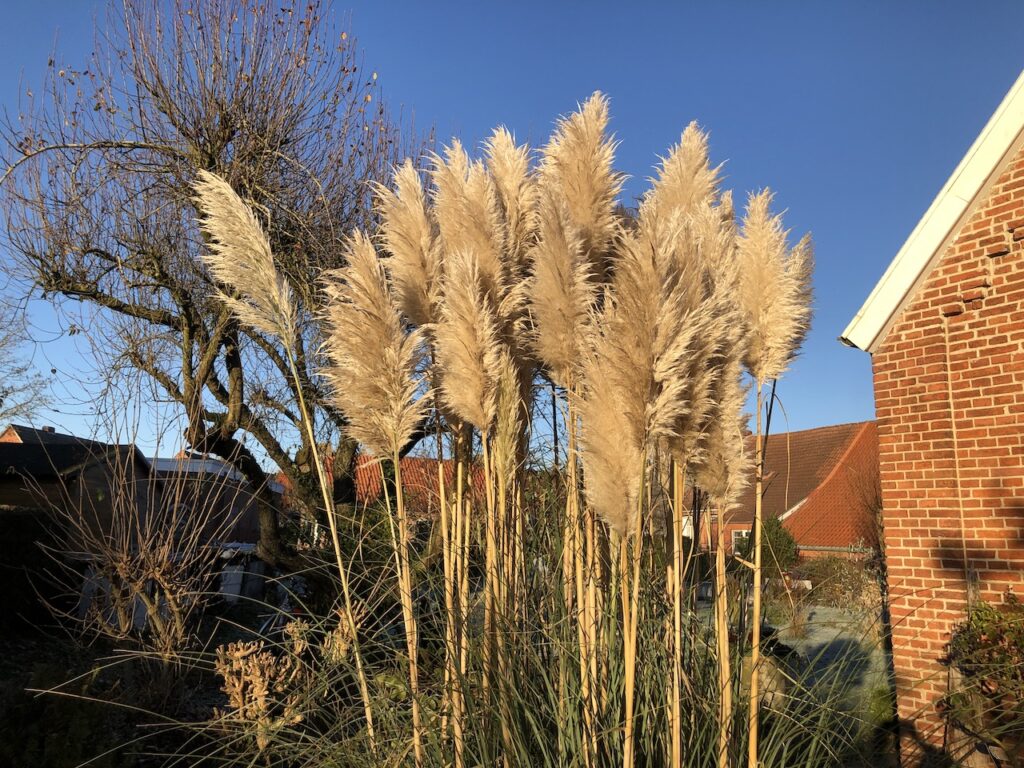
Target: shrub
{"points": [[838, 582], [779, 548], [988, 651]]}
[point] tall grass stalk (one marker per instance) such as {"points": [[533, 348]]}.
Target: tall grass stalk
{"points": [[725, 708], [755, 630], [402, 546], [240, 258], [774, 298]]}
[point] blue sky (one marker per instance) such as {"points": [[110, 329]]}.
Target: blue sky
{"points": [[854, 113]]}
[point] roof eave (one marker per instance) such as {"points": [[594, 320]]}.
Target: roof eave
{"points": [[998, 141]]}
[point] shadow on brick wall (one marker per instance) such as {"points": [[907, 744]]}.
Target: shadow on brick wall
{"points": [[981, 558]]}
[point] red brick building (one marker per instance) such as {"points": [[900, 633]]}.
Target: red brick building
{"points": [[945, 328]]}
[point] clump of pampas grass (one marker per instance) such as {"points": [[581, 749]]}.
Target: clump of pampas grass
{"points": [[497, 266]]}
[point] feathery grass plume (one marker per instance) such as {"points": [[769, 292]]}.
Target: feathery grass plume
{"points": [[374, 362], [469, 216], [723, 467], [712, 237], [561, 291], [466, 344], [577, 166], [410, 236], [635, 383], [613, 461], [509, 166], [240, 258], [685, 177], [679, 212], [774, 289]]}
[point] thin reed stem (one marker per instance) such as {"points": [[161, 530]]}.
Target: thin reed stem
{"points": [[332, 524], [722, 632], [402, 545], [755, 651], [631, 551], [676, 583]]}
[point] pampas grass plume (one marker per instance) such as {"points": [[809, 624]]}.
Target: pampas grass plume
{"points": [[467, 345], [409, 235], [509, 167], [774, 289], [239, 257], [373, 361], [685, 177], [561, 291], [469, 216], [577, 166]]}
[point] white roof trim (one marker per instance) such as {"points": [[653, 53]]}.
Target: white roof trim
{"points": [[947, 213], [794, 508]]}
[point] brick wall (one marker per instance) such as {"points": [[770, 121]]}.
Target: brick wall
{"points": [[953, 479]]}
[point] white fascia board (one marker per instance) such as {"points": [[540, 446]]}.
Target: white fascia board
{"points": [[940, 222], [794, 508]]}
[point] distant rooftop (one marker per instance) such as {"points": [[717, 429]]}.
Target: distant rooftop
{"points": [[795, 464], [208, 466]]}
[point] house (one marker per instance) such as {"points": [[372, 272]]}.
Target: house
{"points": [[419, 481], [41, 470], [212, 488], [945, 330], [821, 483], [41, 467]]}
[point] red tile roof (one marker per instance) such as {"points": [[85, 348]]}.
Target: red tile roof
{"points": [[839, 512], [419, 480], [795, 464]]}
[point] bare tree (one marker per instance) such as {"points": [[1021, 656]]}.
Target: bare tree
{"points": [[23, 390], [97, 196]]}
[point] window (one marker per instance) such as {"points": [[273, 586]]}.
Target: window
{"points": [[739, 540]]}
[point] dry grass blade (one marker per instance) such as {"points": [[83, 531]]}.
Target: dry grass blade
{"points": [[373, 361], [409, 234], [774, 289], [240, 258]]}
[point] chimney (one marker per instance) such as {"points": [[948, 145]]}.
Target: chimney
{"points": [[51, 430]]}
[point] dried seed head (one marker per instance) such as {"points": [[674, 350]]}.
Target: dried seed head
{"points": [[374, 363], [774, 289], [239, 258]]}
